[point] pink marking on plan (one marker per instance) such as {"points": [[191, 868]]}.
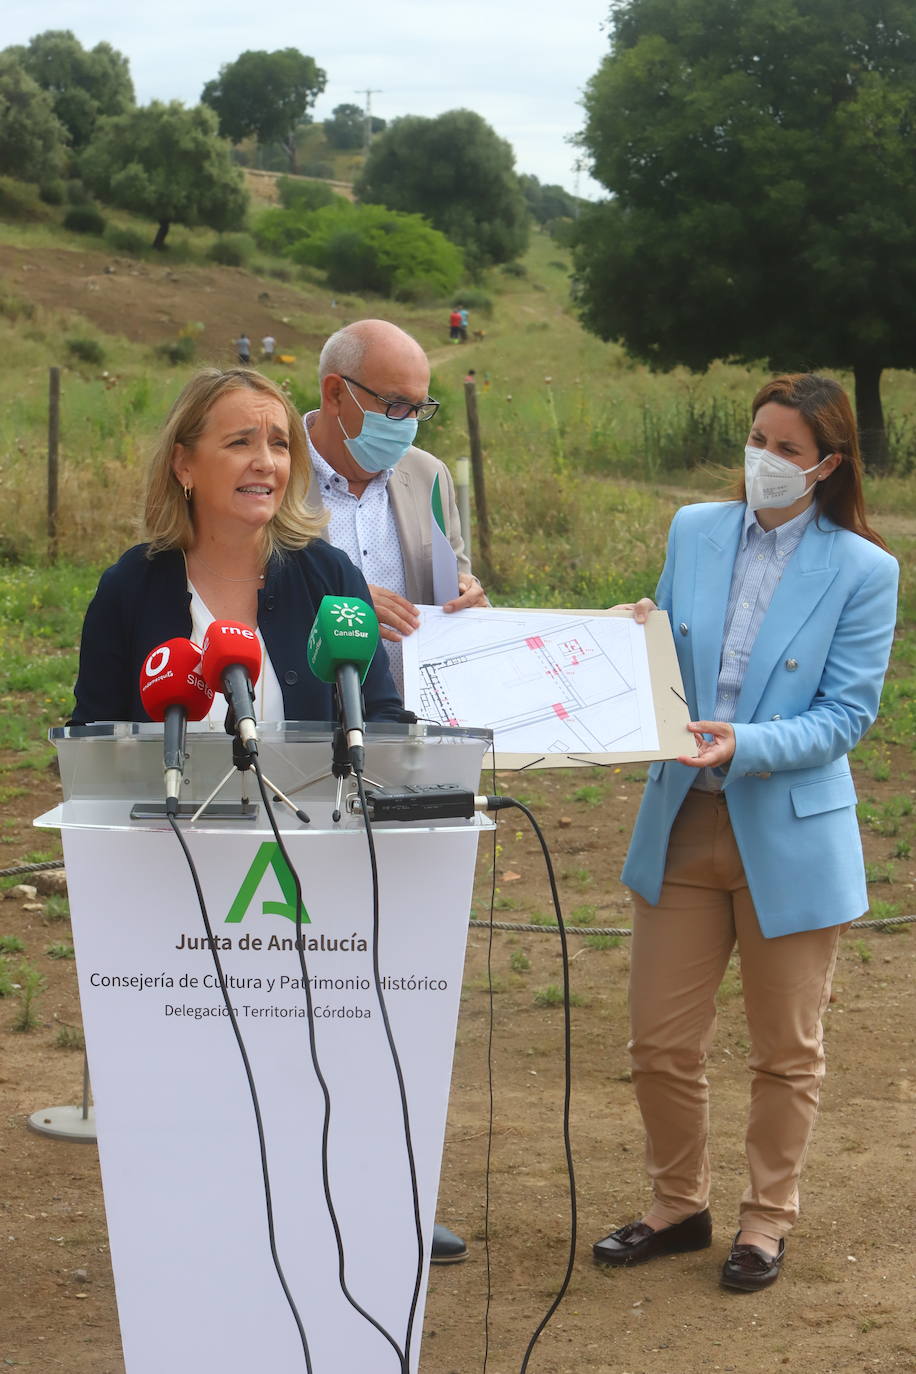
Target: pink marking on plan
{"points": [[560, 710], [535, 642]]}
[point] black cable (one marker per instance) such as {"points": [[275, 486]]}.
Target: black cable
{"points": [[396, 1062], [262, 1144], [322, 1081], [567, 1061]]}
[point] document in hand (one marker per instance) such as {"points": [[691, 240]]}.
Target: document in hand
{"points": [[557, 688]]}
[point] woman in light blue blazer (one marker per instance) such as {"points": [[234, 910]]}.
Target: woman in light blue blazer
{"points": [[783, 606]]}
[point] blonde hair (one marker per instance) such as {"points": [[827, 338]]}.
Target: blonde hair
{"points": [[169, 517]]}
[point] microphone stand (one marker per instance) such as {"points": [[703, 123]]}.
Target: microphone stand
{"points": [[241, 764], [341, 769]]}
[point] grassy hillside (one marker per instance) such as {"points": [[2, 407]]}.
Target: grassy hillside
{"points": [[588, 453]]}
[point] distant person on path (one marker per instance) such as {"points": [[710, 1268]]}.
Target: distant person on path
{"points": [[454, 325], [243, 349], [464, 324], [783, 604], [268, 348]]}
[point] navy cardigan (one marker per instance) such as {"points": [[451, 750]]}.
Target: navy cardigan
{"points": [[141, 602]]}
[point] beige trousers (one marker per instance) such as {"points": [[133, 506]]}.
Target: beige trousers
{"points": [[681, 949]]}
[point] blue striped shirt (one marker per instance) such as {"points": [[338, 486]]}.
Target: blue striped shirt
{"points": [[762, 557]]}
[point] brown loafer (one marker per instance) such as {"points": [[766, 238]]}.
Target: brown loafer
{"points": [[636, 1242], [748, 1268]]}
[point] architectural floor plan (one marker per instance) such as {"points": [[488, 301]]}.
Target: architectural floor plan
{"points": [[544, 682]]}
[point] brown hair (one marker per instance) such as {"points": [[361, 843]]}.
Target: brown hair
{"points": [[169, 517], [824, 406]]}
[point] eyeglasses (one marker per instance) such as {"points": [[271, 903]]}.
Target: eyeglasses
{"points": [[399, 410]]}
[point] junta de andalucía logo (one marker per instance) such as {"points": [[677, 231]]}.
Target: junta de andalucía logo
{"points": [[268, 856]]}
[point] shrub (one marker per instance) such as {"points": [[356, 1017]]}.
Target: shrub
{"points": [[231, 250], [514, 269], [126, 240], [85, 350], [365, 248], [323, 170], [472, 298], [85, 219], [20, 201], [15, 308], [70, 1038], [53, 192], [31, 984], [296, 194], [368, 248], [181, 351], [77, 194]]}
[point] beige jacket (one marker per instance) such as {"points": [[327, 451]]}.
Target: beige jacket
{"points": [[409, 489]]}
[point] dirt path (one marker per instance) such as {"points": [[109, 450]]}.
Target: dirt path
{"points": [[845, 1302]]}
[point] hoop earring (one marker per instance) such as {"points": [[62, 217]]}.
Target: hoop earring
{"points": [[187, 494]]}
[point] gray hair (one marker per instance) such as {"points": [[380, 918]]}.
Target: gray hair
{"points": [[343, 353]]}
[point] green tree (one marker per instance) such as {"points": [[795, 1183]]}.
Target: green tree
{"points": [[267, 94], [547, 202], [32, 139], [83, 84], [169, 163], [346, 129], [762, 164], [459, 174]]}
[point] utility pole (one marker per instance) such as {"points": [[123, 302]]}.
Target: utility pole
{"points": [[367, 138], [579, 167]]}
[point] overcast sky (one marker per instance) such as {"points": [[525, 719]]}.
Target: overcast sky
{"points": [[521, 64]]}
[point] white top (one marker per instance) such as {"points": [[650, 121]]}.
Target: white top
{"points": [[268, 703]]}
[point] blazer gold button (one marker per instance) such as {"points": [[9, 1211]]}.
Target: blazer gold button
{"points": [[791, 664], [291, 677], [683, 627]]}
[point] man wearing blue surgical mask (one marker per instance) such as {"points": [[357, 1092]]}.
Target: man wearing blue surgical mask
{"points": [[375, 398]]}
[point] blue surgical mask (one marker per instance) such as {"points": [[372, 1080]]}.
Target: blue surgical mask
{"points": [[381, 441]]}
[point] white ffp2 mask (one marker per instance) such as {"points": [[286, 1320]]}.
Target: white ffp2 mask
{"points": [[771, 482]]}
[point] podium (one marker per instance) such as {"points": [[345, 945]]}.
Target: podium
{"points": [[181, 1170]]}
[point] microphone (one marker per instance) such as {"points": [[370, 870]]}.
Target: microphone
{"points": [[231, 664], [173, 691], [341, 644]]}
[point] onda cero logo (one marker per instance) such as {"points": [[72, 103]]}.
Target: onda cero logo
{"points": [[348, 615]]}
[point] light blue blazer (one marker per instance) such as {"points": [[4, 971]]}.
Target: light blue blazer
{"points": [[811, 690]]}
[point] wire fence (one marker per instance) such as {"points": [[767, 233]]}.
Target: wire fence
{"points": [[516, 927]]}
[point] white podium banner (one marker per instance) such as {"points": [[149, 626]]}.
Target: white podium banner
{"points": [[195, 1282]]}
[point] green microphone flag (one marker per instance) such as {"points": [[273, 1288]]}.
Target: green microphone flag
{"points": [[345, 632]]}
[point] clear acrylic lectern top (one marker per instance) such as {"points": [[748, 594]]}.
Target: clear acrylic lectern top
{"points": [[108, 769]]}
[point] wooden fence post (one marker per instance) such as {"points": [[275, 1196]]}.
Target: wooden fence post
{"points": [[480, 492], [53, 456]]}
